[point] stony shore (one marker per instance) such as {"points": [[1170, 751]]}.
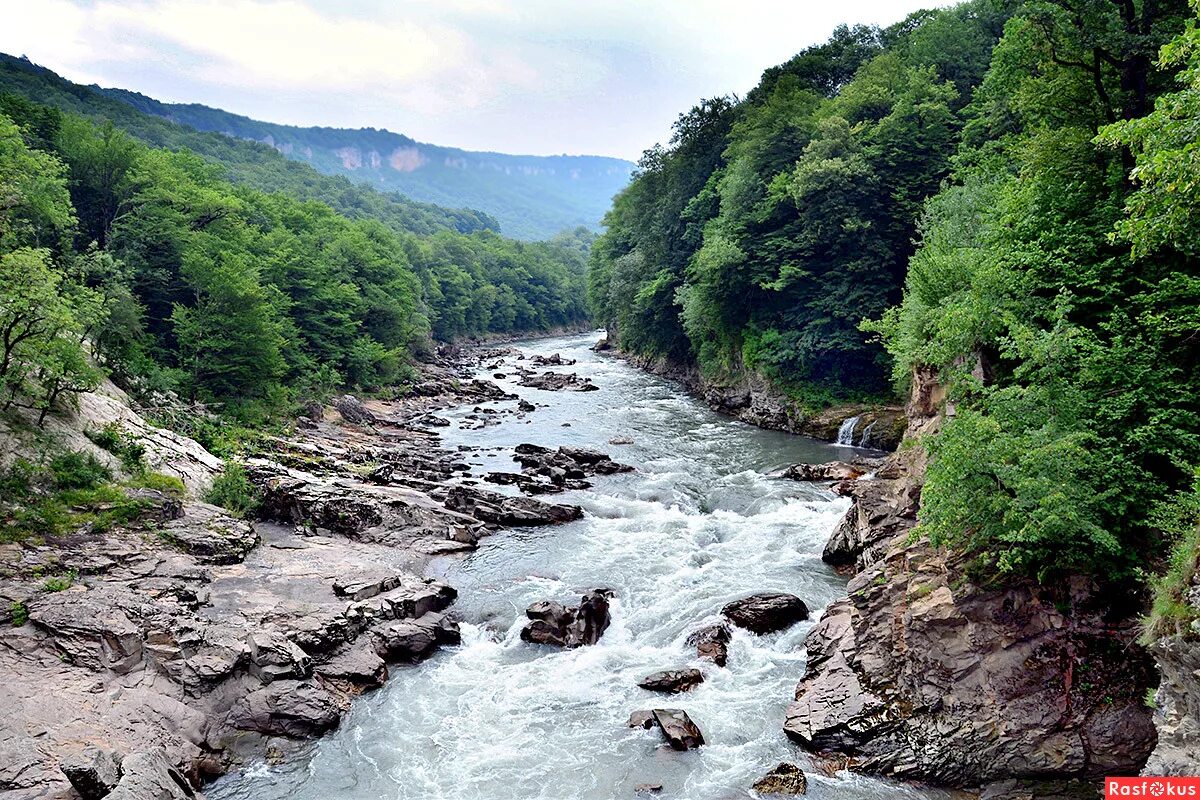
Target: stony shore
{"points": [[191, 640]]}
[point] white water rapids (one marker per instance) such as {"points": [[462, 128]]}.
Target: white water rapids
{"points": [[699, 524]]}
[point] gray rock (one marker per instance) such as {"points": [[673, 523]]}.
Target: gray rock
{"points": [[553, 624], [89, 632], [359, 667], [273, 656], [784, 779], [93, 771], [499, 509], [678, 729], [296, 709], [353, 411], [211, 534], [150, 776], [672, 681], [413, 640], [766, 612]]}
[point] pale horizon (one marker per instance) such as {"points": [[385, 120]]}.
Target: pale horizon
{"points": [[529, 78]]}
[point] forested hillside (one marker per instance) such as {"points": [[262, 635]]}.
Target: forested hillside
{"points": [[1007, 193], [147, 264], [533, 197], [251, 163]]}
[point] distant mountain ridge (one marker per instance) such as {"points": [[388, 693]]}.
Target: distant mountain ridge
{"points": [[533, 197]]}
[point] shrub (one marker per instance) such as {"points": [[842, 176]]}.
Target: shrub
{"points": [[129, 450], [20, 614], [233, 491], [76, 470], [60, 583]]}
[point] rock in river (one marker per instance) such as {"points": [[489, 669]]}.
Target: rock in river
{"points": [[784, 779], [555, 624], [712, 643], [676, 726], [766, 612], [672, 681]]}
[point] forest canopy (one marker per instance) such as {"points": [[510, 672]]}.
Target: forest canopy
{"points": [[1000, 194], [147, 264]]}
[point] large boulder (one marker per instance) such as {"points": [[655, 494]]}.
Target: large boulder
{"points": [[353, 411], [766, 612], [150, 776], [92, 771], [498, 509], [554, 624]]}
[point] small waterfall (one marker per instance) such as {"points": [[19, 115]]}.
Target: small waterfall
{"points": [[846, 432], [865, 441]]}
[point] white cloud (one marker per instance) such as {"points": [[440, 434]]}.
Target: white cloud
{"points": [[519, 75]]}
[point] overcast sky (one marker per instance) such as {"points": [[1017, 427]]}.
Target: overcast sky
{"points": [[603, 77]]}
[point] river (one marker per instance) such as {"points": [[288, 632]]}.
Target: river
{"points": [[697, 525]]}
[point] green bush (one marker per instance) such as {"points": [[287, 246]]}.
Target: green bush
{"points": [[76, 470], [232, 490], [20, 614], [60, 583], [160, 482], [129, 450]]}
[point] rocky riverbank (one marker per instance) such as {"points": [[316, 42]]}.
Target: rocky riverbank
{"points": [[921, 674], [143, 660], [755, 400]]}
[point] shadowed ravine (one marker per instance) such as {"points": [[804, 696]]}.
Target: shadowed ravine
{"points": [[697, 525]]}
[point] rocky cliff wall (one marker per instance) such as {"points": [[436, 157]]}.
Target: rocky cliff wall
{"points": [[921, 674]]}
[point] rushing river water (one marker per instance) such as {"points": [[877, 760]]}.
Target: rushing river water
{"points": [[699, 524]]}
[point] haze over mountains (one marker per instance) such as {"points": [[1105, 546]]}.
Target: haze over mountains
{"points": [[533, 197]]}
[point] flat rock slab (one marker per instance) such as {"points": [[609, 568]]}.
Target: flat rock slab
{"points": [[766, 612]]}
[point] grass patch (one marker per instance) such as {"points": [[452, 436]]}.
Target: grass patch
{"points": [[1170, 613]]}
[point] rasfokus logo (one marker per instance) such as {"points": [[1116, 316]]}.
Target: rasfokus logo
{"points": [[1151, 786]]}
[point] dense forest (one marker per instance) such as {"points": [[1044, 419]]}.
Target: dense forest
{"points": [[999, 194], [149, 265]]}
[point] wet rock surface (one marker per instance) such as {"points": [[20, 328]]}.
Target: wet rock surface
{"points": [[785, 779], [766, 612], [558, 382], [675, 725], [712, 643], [672, 681], [185, 641], [554, 624]]}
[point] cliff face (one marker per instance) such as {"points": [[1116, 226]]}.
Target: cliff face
{"points": [[754, 399], [922, 675], [1177, 701]]}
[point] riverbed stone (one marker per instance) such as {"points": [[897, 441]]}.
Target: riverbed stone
{"points": [[712, 643], [786, 779], [672, 681], [766, 612], [554, 624], [678, 729]]}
